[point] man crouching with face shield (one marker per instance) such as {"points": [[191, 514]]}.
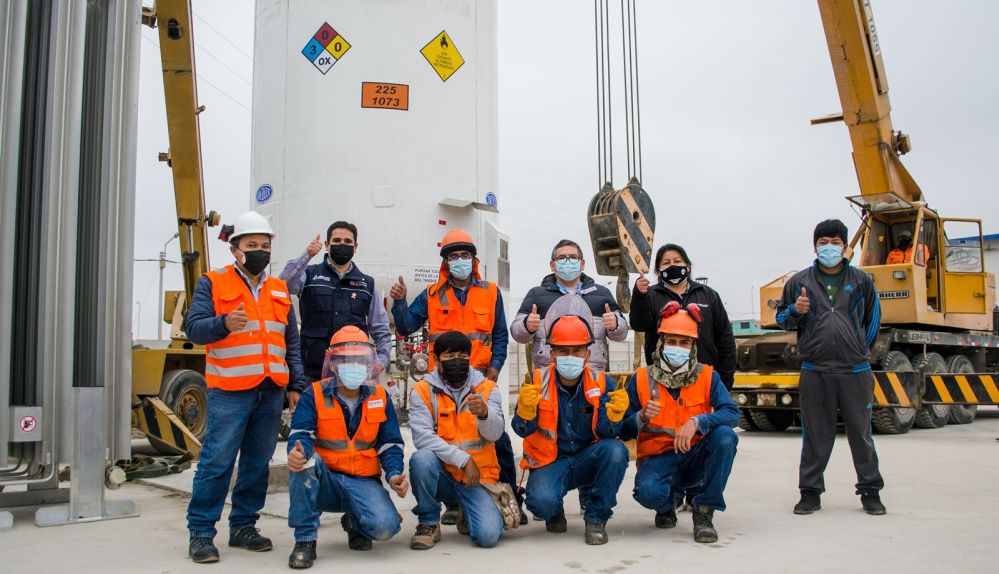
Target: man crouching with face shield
{"points": [[682, 416], [344, 434]]}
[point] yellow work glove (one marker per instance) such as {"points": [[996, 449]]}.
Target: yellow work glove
{"points": [[527, 404], [617, 405]]}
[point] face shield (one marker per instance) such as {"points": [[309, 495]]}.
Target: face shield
{"points": [[352, 365]]}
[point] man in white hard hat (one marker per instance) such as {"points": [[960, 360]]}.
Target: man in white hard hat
{"points": [[244, 318]]}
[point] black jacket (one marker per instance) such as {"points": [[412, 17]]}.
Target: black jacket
{"points": [[715, 343]]}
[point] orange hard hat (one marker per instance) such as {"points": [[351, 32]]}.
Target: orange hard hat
{"points": [[677, 321], [457, 240], [350, 340], [570, 330]]}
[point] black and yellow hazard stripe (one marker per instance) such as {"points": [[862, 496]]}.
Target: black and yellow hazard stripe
{"points": [[156, 419], [970, 389], [636, 228], [890, 389]]}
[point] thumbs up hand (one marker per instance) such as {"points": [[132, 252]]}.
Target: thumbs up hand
{"points": [[296, 458], [398, 291], [314, 246], [533, 320], [609, 318], [802, 304], [236, 320], [642, 285]]}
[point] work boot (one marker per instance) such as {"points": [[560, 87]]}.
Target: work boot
{"points": [[704, 531], [202, 550], [523, 517], [809, 502], [249, 537], [426, 536], [355, 540], [871, 502], [595, 534], [302, 555], [450, 515], [557, 523], [666, 519], [462, 524]]}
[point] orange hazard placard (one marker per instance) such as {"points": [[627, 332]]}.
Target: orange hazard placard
{"points": [[386, 96]]}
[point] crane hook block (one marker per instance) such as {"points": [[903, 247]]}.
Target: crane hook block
{"points": [[622, 227]]}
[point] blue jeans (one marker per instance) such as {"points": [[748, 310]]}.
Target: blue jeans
{"points": [[598, 470], [244, 422], [704, 469], [432, 484], [318, 489]]}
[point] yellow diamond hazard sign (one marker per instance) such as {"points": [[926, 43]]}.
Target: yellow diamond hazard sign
{"points": [[443, 55]]}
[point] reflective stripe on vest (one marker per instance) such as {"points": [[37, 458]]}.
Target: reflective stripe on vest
{"points": [[244, 358], [476, 318], [541, 447], [354, 456], [657, 436], [459, 427]]}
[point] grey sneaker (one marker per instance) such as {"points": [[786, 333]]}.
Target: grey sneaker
{"points": [[249, 537], [202, 550]]}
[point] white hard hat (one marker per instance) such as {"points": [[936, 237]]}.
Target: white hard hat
{"points": [[251, 223]]}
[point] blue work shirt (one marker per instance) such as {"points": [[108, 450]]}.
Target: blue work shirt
{"points": [[726, 412], [204, 327], [575, 421], [410, 318], [388, 443]]}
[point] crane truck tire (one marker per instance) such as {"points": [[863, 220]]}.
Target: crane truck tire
{"points": [[894, 420], [931, 416], [772, 420], [961, 414], [185, 392], [745, 422]]}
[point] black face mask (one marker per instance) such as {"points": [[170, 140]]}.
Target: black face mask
{"points": [[454, 372], [256, 261], [674, 274], [341, 253]]}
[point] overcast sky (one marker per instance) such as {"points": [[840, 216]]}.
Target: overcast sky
{"points": [[737, 174]]}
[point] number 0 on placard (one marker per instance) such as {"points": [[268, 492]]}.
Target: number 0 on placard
{"points": [[385, 96]]}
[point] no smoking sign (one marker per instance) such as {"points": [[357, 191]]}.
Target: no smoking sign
{"points": [[27, 423]]}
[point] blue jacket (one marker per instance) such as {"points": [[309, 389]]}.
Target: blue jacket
{"points": [[833, 337], [408, 319], [726, 411], [388, 443], [575, 421], [203, 327]]}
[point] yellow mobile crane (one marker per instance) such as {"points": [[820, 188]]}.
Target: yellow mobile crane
{"points": [[174, 374], [936, 353]]}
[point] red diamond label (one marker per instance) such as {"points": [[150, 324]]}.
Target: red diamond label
{"points": [[325, 34]]}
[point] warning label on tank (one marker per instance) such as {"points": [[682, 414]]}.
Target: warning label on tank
{"points": [[427, 274], [325, 48], [443, 56]]}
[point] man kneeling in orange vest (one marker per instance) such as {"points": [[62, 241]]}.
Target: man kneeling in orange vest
{"points": [[456, 416], [683, 416], [344, 433], [569, 424]]}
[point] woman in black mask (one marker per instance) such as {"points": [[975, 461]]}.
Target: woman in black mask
{"points": [[716, 344]]}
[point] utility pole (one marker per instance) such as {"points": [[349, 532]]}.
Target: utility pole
{"points": [[163, 262]]}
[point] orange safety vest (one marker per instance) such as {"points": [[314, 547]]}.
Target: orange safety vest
{"points": [[245, 358], [897, 256], [475, 319], [461, 429], [541, 447], [657, 436], [354, 456]]}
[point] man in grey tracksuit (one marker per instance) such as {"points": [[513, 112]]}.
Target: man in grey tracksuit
{"points": [[834, 308]]}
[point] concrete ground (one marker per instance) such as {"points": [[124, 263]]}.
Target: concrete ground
{"points": [[942, 499]]}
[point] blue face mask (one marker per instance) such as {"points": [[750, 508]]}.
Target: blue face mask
{"points": [[569, 270], [569, 367], [676, 356], [829, 255], [460, 269], [352, 375]]}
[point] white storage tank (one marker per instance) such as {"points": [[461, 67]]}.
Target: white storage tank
{"points": [[382, 113]]}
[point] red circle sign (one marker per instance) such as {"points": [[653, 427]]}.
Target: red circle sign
{"points": [[27, 423]]}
